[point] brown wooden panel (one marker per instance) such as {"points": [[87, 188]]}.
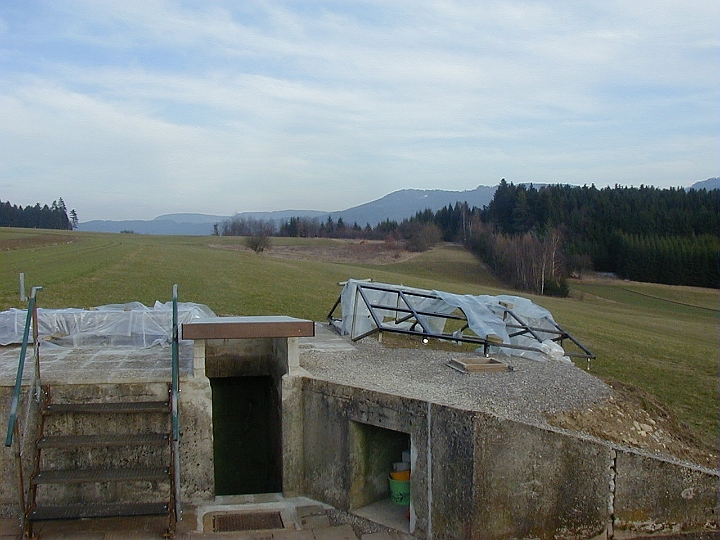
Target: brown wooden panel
{"points": [[248, 327]]}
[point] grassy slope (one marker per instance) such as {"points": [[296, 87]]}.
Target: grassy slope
{"points": [[663, 339]]}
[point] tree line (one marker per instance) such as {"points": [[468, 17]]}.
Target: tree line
{"points": [[534, 238], [54, 216], [415, 234], [645, 234]]}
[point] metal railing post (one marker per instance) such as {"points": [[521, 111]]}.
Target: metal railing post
{"points": [[13, 430], [174, 404], [31, 315]]}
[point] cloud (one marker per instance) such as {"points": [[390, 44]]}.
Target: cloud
{"points": [[134, 109]]}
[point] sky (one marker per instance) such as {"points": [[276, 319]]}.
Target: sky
{"points": [[133, 109]]}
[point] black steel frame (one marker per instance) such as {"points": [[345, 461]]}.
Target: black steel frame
{"points": [[405, 311]]}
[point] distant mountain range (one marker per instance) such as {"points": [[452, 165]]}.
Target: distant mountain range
{"points": [[396, 206], [710, 183]]}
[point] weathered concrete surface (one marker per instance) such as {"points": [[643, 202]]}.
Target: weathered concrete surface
{"points": [[9, 494], [237, 358], [86, 424], [325, 444], [479, 476], [476, 474], [292, 436], [336, 460], [101, 374], [657, 495], [197, 475], [450, 495], [535, 483]]}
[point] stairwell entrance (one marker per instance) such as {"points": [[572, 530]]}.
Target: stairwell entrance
{"points": [[246, 435], [245, 360]]}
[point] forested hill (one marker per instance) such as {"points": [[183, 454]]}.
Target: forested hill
{"points": [[596, 213], [645, 234]]}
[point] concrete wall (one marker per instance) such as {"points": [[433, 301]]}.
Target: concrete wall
{"points": [[479, 476], [658, 495], [474, 475], [197, 475], [534, 483], [330, 455], [9, 494]]}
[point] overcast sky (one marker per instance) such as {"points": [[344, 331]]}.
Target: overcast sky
{"points": [[131, 109]]}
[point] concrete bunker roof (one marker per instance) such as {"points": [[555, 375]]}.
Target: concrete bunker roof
{"points": [[528, 392]]}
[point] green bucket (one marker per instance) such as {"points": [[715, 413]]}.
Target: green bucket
{"points": [[400, 492]]}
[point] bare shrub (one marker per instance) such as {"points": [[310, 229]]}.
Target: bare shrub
{"points": [[258, 243]]}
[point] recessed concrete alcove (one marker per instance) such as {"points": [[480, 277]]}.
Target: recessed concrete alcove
{"points": [[373, 450]]}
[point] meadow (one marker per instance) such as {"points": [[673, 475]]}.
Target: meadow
{"points": [[661, 339]]}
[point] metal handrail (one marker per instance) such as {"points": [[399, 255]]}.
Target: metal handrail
{"points": [[21, 367], [174, 395], [175, 366]]}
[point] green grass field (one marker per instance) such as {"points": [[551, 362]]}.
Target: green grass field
{"points": [[662, 339]]}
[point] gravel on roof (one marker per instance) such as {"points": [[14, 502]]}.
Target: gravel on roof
{"points": [[525, 394]]}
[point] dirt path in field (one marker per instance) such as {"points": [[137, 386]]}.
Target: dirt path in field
{"points": [[343, 251]]}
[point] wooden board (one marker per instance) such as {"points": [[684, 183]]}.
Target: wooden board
{"points": [[478, 365], [248, 328]]}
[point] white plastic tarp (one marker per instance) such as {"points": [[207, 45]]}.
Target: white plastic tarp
{"points": [[357, 320], [131, 324], [486, 316]]}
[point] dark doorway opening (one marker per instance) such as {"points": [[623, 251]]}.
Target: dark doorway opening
{"points": [[247, 435]]}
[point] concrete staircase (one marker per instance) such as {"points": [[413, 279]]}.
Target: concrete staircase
{"points": [[103, 451]]}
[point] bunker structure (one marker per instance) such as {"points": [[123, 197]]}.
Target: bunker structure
{"points": [[172, 411]]}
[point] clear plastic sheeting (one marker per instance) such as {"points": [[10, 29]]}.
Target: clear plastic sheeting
{"points": [[132, 324], [502, 322], [358, 321], [488, 316]]}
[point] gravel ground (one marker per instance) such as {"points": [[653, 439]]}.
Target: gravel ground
{"points": [[527, 393]]}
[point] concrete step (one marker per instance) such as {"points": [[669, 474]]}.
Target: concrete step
{"points": [[103, 453], [116, 392], [385, 535]]}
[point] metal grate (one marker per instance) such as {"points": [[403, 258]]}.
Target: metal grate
{"points": [[100, 408], [247, 521], [84, 511]]}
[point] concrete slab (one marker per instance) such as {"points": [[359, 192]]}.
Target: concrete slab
{"points": [[325, 340], [95, 364], [343, 532], [315, 522], [386, 513], [382, 535], [293, 535], [310, 510]]}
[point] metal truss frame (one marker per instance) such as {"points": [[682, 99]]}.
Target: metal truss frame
{"points": [[405, 311]]}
